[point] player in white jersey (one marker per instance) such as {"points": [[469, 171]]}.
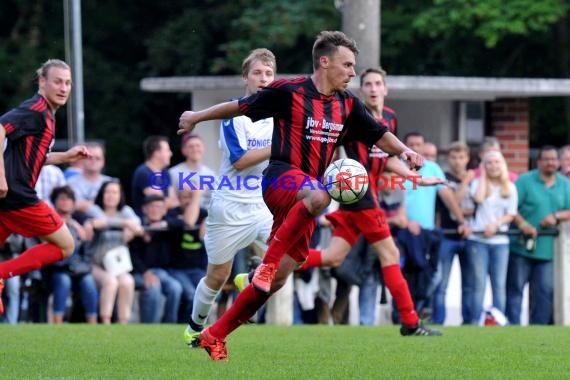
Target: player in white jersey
{"points": [[237, 216]]}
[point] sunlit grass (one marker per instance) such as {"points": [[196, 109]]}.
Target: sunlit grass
{"points": [[271, 352]]}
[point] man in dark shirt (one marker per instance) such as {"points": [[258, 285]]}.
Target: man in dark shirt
{"points": [[312, 116], [459, 178], [26, 136], [151, 256]]}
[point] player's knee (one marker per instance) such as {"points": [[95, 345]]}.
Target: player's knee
{"points": [[389, 256], [217, 278], [318, 201]]}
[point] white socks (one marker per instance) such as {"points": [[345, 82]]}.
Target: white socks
{"points": [[203, 300]]}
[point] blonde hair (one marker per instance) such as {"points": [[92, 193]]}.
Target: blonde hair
{"points": [[43, 70], [263, 55], [505, 183], [458, 146]]}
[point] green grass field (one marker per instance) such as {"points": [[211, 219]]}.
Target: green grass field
{"points": [[271, 352]]}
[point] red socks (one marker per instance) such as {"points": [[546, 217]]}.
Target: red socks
{"points": [[244, 307], [315, 259], [31, 259], [398, 287], [293, 228]]}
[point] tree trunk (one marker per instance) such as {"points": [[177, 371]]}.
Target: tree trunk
{"points": [[361, 21]]}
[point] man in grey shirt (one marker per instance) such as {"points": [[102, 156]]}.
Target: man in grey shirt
{"points": [[87, 184]]}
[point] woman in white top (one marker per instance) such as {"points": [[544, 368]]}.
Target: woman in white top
{"points": [[115, 224], [495, 200]]}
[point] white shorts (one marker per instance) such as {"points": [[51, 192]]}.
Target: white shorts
{"points": [[232, 226]]}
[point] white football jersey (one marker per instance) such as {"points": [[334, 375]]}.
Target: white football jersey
{"points": [[237, 136]]}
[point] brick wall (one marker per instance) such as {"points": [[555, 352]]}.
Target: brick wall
{"points": [[509, 123]]}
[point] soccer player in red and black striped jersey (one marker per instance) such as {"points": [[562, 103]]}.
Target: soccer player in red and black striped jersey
{"points": [[365, 217], [312, 116], [26, 136]]}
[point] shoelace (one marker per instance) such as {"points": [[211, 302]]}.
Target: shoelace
{"points": [[266, 272], [218, 350]]}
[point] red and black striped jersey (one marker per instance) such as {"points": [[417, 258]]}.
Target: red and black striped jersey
{"points": [[308, 126], [30, 132], [373, 159]]}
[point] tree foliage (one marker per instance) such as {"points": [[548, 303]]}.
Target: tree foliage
{"points": [[288, 28], [128, 40], [490, 20]]}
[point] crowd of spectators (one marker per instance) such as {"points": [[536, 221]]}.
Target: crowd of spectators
{"points": [[512, 219], [141, 260]]}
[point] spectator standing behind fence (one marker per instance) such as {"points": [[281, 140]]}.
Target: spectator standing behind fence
{"points": [[73, 273], [458, 180], [193, 151], [151, 177], [421, 240], [86, 185], [430, 151], [491, 143], [495, 200], [151, 255], [565, 161], [115, 224], [544, 201]]}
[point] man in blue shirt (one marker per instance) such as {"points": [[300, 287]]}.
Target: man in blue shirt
{"points": [[421, 220]]}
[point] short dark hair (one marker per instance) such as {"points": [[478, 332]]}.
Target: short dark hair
{"points": [[375, 70], [153, 198], [151, 144], [61, 190], [100, 194], [190, 136], [546, 148], [328, 42], [412, 134]]}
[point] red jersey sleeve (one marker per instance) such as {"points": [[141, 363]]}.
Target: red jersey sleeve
{"points": [[265, 103]]}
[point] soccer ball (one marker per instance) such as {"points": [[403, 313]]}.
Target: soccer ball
{"points": [[346, 180]]}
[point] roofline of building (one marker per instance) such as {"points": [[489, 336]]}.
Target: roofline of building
{"points": [[401, 87]]}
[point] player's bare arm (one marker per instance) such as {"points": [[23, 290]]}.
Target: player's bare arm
{"points": [[78, 152], [252, 157], [3, 182], [395, 165], [189, 119], [391, 144]]}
